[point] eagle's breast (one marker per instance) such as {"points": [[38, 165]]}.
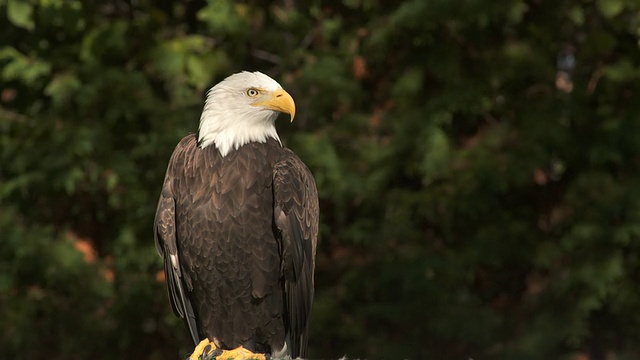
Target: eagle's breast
{"points": [[229, 251]]}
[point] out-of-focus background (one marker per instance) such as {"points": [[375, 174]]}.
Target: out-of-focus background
{"points": [[477, 162]]}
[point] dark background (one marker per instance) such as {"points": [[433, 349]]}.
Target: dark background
{"points": [[477, 163]]}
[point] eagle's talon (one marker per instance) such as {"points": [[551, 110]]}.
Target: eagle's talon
{"points": [[206, 350], [240, 353], [213, 355], [201, 349]]}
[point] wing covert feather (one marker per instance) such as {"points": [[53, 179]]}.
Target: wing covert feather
{"points": [[166, 245], [296, 217]]}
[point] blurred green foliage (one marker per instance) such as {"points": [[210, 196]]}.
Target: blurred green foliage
{"points": [[478, 165]]}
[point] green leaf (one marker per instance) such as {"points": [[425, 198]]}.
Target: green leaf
{"points": [[224, 16], [73, 178], [18, 183], [437, 150], [20, 13], [610, 8], [621, 71], [409, 83], [576, 14], [111, 180], [22, 67], [200, 70], [62, 87], [517, 12]]}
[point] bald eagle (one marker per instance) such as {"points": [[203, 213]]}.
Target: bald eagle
{"points": [[237, 225]]}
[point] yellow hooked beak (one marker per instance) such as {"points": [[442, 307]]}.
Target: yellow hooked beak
{"points": [[278, 100]]}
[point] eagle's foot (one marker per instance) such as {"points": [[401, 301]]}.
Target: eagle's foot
{"points": [[204, 350], [240, 353]]}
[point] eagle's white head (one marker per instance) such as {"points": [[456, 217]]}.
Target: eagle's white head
{"points": [[242, 108]]}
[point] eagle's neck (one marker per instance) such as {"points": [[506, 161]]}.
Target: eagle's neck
{"points": [[229, 129]]}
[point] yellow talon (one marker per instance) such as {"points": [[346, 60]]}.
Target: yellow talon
{"points": [[240, 353], [197, 352]]}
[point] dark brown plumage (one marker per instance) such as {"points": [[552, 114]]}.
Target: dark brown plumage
{"points": [[238, 236]]}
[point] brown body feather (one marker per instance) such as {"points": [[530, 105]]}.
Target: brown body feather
{"points": [[238, 236]]}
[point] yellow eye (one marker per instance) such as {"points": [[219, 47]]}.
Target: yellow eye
{"points": [[252, 92]]}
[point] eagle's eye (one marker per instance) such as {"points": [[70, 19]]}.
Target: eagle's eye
{"points": [[251, 92]]}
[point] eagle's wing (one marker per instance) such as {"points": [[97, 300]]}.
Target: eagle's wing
{"points": [[296, 217], [164, 227]]}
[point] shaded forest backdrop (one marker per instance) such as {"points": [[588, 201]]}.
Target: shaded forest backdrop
{"points": [[477, 162]]}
